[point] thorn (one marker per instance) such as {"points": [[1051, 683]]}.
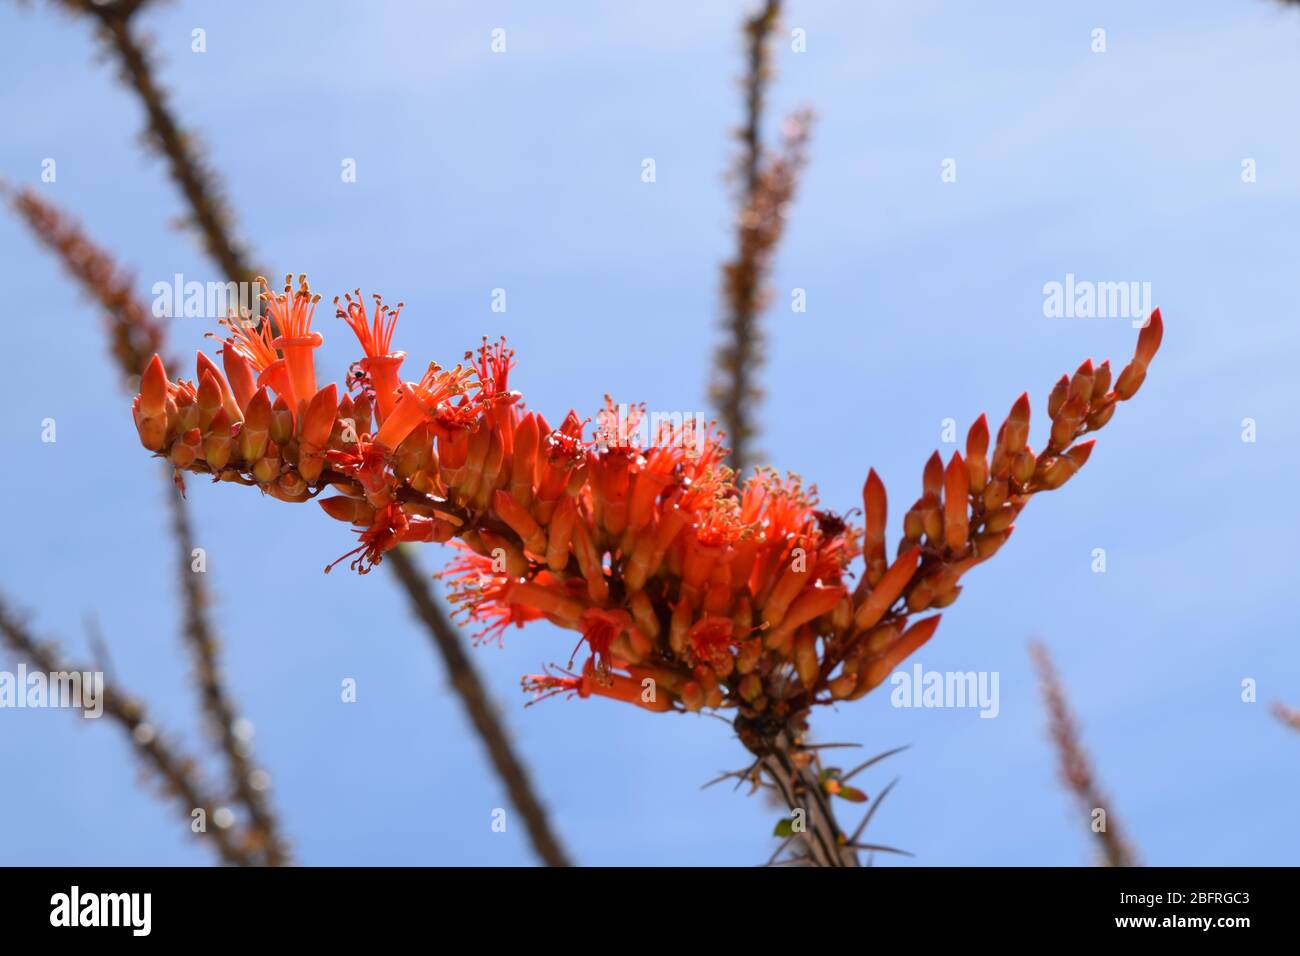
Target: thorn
{"points": [[873, 761]]}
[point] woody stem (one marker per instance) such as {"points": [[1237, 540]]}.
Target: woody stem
{"points": [[796, 782]]}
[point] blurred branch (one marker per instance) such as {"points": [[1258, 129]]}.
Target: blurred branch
{"points": [[196, 181], [197, 185], [134, 337], [1286, 714], [479, 707], [249, 782], [757, 30], [767, 186], [1075, 768], [179, 773]]}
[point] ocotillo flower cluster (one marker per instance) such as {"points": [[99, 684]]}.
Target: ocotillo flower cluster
{"points": [[689, 588]]}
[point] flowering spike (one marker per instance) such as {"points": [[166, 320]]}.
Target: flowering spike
{"points": [[712, 592]]}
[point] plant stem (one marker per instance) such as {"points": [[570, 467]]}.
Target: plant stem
{"points": [[793, 773]]}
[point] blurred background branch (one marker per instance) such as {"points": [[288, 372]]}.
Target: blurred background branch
{"points": [[134, 337], [1287, 715], [210, 215], [179, 774], [766, 187], [1076, 771]]}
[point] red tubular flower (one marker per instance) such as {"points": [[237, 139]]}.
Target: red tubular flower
{"points": [[291, 311], [381, 363], [390, 526], [712, 641], [614, 686], [599, 629], [425, 400], [253, 345], [479, 589], [493, 363], [543, 686]]}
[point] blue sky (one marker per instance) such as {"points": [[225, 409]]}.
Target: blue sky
{"points": [[522, 171]]}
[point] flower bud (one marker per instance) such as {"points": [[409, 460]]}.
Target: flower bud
{"points": [[281, 425], [254, 434], [1060, 392], [842, 686], [805, 658], [187, 448], [217, 445]]}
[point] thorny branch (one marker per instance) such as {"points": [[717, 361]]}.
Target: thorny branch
{"points": [[249, 782], [178, 772], [195, 180], [134, 336], [1075, 768], [198, 185], [794, 771], [767, 184]]}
